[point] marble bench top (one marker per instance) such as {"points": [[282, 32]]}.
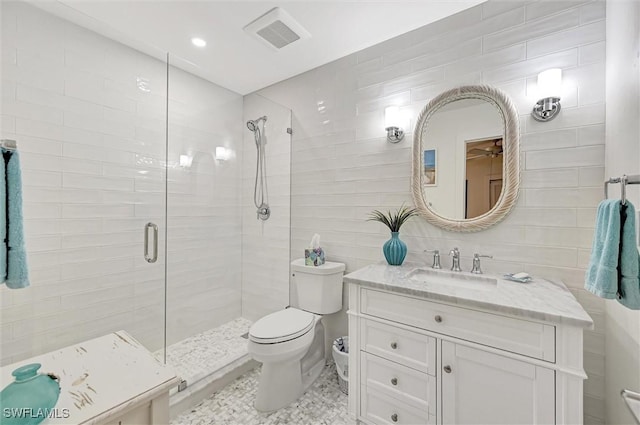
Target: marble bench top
{"points": [[540, 299]]}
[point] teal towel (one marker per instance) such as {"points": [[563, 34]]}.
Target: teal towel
{"points": [[602, 275], [630, 262], [17, 271]]}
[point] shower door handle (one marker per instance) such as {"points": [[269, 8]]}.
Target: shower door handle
{"points": [[154, 257]]}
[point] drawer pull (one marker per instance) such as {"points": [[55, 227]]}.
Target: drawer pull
{"points": [[394, 345], [447, 369], [438, 319], [394, 417], [394, 381]]}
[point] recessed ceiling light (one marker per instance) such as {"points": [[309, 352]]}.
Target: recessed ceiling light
{"points": [[198, 42]]}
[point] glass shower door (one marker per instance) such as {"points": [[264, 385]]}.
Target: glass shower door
{"points": [[89, 117]]}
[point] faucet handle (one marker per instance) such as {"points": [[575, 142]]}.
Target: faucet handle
{"points": [[476, 263], [436, 258]]}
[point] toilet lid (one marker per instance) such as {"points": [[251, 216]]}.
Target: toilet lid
{"points": [[283, 325]]}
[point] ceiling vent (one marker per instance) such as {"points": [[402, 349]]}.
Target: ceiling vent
{"points": [[277, 29]]}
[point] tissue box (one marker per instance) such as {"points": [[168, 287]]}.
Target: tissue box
{"points": [[313, 257]]}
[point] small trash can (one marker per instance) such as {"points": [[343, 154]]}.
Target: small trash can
{"points": [[341, 357]]}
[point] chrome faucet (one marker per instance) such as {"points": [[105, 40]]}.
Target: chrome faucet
{"points": [[436, 258], [455, 265], [476, 263]]}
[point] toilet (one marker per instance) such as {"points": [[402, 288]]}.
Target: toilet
{"points": [[290, 343]]}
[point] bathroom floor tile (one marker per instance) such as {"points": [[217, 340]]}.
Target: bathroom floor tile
{"points": [[203, 354], [322, 404]]}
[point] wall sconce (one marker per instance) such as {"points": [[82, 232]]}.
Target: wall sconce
{"points": [[549, 90], [392, 123], [222, 153], [185, 161]]}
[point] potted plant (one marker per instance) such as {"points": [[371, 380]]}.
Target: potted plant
{"points": [[394, 249]]}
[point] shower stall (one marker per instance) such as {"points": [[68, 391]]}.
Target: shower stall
{"points": [[118, 141]]}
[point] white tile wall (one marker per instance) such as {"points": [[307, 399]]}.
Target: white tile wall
{"points": [[265, 244], [342, 166], [92, 147]]}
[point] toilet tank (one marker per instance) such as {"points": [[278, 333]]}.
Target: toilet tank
{"points": [[317, 289]]}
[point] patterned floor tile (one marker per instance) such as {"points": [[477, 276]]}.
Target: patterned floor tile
{"points": [[322, 404], [201, 355]]}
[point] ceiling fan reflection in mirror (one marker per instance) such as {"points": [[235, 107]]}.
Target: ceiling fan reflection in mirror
{"points": [[485, 148]]}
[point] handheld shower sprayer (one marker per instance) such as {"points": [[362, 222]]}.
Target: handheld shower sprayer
{"points": [[260, 192]]}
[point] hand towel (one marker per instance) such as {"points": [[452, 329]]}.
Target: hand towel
{"points": [[17, 270], [629, 262], [602, 275]]}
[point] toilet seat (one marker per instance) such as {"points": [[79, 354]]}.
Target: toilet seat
{"points": [[281, 326]]}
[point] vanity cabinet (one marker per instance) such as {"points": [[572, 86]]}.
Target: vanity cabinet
{"points": [[432, 362], [479, 387]]}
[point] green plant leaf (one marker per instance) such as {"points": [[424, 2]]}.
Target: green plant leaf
{"points": [[393, 220]]}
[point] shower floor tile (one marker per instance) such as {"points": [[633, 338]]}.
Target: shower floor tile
{"points": [[322, 404], [201, 355]]}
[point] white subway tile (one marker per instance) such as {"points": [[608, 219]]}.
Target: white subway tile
{"points": [[592, 53], [591, 135], [486, 61], [7, 124], [537, 10], [549, 178], [585, 34], [586, 217], [592, 11], [549, 140], [532, 67], [591, 176], [557, 217], [570, 117], [531, 30], [587, 156], [570, 198]]}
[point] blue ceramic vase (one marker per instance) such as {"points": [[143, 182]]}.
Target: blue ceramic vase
{"points": [[394, 250], [29, 399]]}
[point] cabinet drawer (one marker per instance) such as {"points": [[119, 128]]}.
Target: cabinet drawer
{"points": [[378, 408], [519, 336], [400, 382], [401, 346]]}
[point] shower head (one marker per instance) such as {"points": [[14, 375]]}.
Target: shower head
{"points": [[253, 124]]}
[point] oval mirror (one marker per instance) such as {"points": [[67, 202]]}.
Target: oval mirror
{"points": [[465, 170]]}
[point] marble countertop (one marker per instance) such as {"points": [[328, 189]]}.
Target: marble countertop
{"points": [[540, 299]]}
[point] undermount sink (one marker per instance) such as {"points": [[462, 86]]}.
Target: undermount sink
{"points": [[444, 277]]}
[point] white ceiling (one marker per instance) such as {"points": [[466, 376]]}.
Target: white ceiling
{"points": [[232, 58]]}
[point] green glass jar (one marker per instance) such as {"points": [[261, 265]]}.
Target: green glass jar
{"points": [[30, 398]]}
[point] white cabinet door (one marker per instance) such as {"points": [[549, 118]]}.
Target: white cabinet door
{"points": [[485, 388]]}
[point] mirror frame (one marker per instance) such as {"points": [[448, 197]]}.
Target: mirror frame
{"points": [[511, 162]]}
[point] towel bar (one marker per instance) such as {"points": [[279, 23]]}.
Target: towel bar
{"points": [[624, 181], [9, 144]]}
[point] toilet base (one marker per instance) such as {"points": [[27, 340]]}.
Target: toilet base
{"points": [[280, 384], [283, 382]]}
